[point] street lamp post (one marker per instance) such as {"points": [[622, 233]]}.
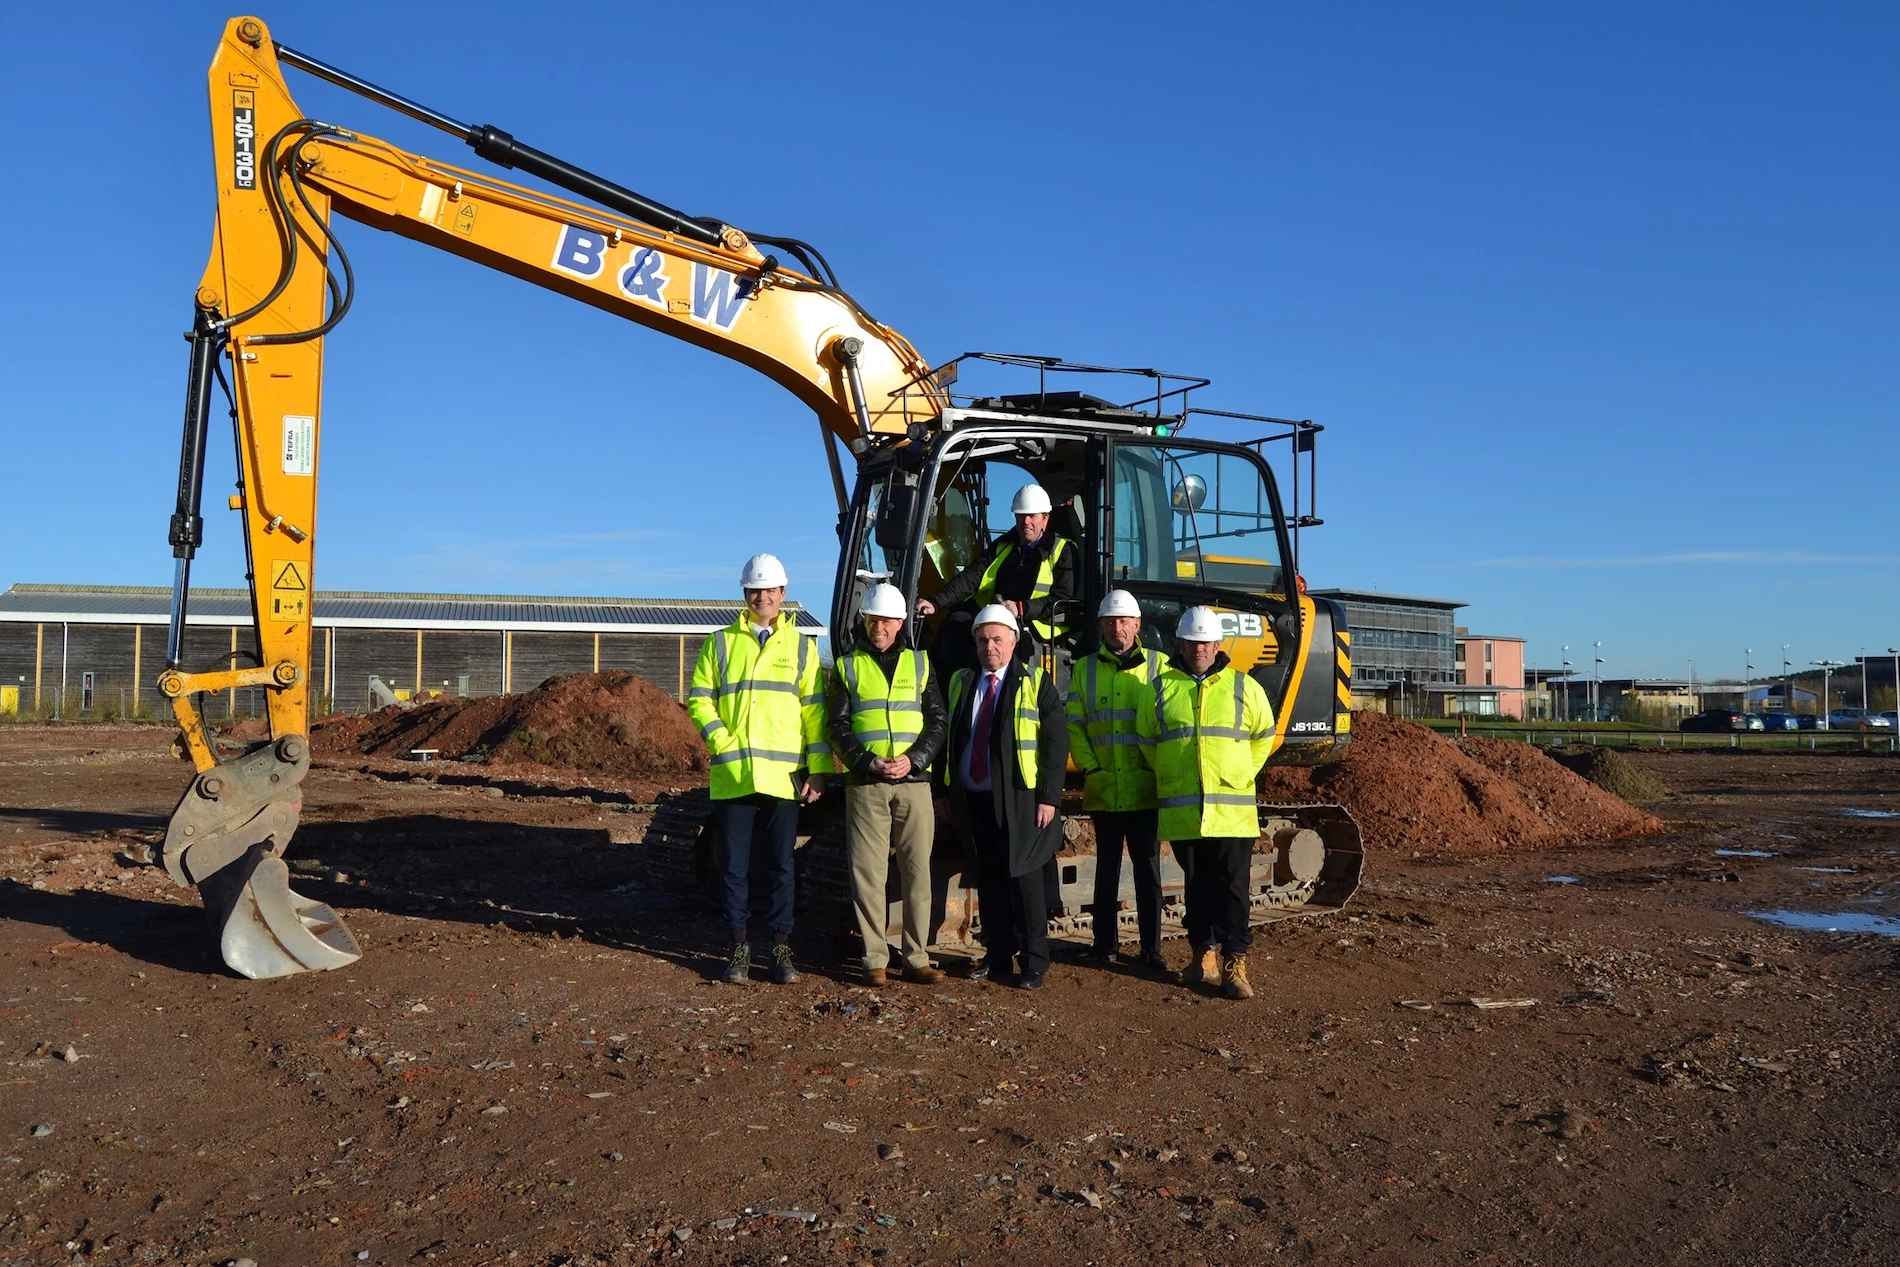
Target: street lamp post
{"points": [[1827, 668], [1892, 651], [1596, 686], [1566, 676], [1863, 678], [1787, 677], [1748, 673]]}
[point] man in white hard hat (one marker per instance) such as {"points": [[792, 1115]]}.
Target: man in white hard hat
{"points": [[758, 700], [1210, 731], [1029, 570], [887, 727], [1003, 768], [1107, 693]]}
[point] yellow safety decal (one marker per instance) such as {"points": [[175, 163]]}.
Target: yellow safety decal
{"points": [[465, 219], [289, 596]]}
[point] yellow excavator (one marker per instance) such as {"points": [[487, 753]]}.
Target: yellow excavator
{"points": [[1177, 520]]}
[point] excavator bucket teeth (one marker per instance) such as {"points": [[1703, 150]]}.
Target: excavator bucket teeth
{"points": [[267, 929]]}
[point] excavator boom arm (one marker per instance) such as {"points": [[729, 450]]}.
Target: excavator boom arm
{"points": [[267, 299]]}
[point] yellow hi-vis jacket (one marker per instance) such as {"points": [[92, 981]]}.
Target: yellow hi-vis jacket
{"points": [[1045, 582], [1026, 725], [886, 717], [1104, 701], [760, 709], [1206, 742]]}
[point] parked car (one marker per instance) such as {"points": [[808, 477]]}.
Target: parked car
{"points": [[1807, 721], [1780, 721], [1857, 719], [1720, 721]]}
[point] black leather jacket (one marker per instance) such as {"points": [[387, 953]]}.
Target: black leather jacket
{"points": [[851, 756]]}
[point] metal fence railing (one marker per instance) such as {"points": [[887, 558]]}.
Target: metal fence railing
{"points": [[1873, 741]]}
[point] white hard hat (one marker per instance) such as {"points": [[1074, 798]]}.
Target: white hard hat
{"points": [[1198, 624], [884, 600], [762, 572], [996, 614], [1029, 500], [1119, 603]]}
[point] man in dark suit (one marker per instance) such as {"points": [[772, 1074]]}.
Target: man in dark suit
{"points": [[1003, 769]]}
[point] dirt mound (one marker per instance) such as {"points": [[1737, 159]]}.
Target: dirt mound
{"points": [[613, 723], [1609, 770], [1412, 790]]}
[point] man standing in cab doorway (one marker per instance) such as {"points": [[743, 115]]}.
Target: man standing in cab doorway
{"points": [[1209, 733], [1003, 770], [1028, 570], [758, 701], [887, 727], [1107, 693]]}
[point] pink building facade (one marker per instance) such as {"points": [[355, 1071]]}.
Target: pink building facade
{"points": [[1490, 673]]}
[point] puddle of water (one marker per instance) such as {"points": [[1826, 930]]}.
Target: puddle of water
{"points": [[1872, 813], [1562, 879], [1743, 853], [1837, 922], [1785, 836], [1828, 870]]}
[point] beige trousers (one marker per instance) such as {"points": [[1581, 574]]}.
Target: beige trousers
{"points": [[882, 819]]}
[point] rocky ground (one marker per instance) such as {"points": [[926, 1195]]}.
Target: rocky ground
{"points": [[533, 1063]]}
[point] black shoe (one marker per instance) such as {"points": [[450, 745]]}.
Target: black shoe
{"points": [[1100, 954], [739, 966], [782, 971], [980, 970], [1152, 960], [1029, 981]]}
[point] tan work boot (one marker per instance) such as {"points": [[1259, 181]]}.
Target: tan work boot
{"points": [[929, 974], [1233, 972], [876, 978], [1203, 968]]}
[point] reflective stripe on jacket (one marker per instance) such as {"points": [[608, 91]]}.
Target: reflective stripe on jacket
{"points": [[1026, 727], [1104, 701], [886, 717], [1045, 582], [1206, 742], [759, 709]]}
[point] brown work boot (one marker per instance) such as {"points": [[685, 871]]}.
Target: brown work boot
{"points": [[1233, 972], [1203, 968], [876, 978], [926, 975]]}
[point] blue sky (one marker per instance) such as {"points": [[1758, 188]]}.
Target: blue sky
{"points": [[1598, 306]]}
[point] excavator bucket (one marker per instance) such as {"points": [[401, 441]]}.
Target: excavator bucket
{"points": [[227, 837], [267, 929]]}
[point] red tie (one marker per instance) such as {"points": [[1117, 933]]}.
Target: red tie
{"points": [[980, 731]]}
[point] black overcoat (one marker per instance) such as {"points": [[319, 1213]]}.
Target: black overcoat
{"points": [[1029, 847]]}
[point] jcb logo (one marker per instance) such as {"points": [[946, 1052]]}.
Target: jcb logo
{"points": [[1241, 625], [244, 140]]}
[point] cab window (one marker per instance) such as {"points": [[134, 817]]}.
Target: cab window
{"points": [[1188, 516]]}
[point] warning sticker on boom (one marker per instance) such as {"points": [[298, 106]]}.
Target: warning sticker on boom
{"points": [[289, 595], [300, 444]]}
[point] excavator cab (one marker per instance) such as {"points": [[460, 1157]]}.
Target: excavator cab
{"points": [[1176, 520]]}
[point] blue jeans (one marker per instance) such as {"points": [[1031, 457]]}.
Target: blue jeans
{"points": [[777, 821]]}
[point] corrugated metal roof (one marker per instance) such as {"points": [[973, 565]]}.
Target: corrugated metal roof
{"points": [[359, 609]]}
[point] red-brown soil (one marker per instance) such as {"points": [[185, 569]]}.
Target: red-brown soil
{"points": [[1412, 790], [533, 1065], [613, 724]]}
